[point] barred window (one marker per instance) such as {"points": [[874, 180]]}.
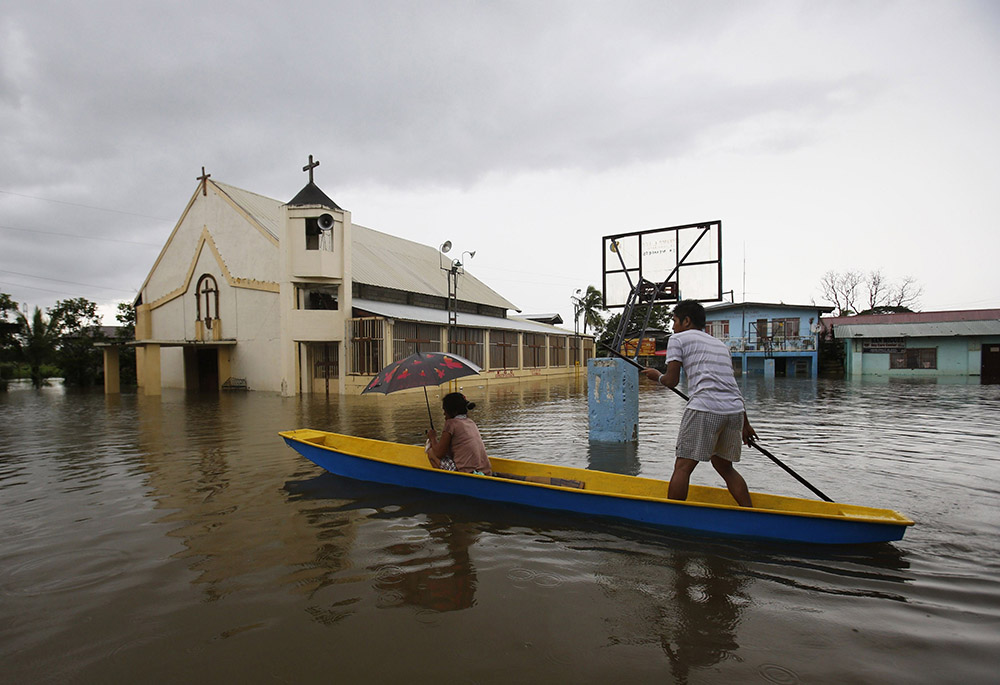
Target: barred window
{"points": [[533, 350], [326, 362], [469, 343], [367, 339], [588, 350], [914, 358], [557, 350], [503, 349], [409, 337]]}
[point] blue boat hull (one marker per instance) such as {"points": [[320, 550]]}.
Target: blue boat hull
{"points": [[713, 520]]}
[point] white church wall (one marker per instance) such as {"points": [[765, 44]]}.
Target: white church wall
{"points": [[256, 356], [172, 367]]}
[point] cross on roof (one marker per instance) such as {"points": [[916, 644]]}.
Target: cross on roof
{"points": [[310, 166], [204, 182]]}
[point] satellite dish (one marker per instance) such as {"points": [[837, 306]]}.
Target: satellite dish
{"points": [[446, 247]]}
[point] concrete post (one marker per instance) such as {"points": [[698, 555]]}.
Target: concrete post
{"points": [[613, 400], [769, 369], [112, 373]]}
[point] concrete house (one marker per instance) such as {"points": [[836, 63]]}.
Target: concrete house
{"points": [[921, 344], [295, 298], [769, 339]]}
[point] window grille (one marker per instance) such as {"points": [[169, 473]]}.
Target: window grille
{"points": [[367, 340], [469, 343], [533, 350], [409, 337], [503, 349]]}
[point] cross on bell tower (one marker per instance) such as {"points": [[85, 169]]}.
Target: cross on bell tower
{"points": [[310, 166]]}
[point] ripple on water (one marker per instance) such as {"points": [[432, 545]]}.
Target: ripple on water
{"points": [[48, 574]]}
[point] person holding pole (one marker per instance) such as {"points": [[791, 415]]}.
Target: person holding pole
{"points": [[715, 420]]}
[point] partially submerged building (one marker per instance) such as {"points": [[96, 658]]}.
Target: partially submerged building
{"points": [[768, 338], [295, 298], [921, 344]]}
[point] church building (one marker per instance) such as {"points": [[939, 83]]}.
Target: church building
{"points": [[250, 292]]}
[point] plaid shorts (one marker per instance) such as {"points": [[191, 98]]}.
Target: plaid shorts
{"points": [[703, 435]]}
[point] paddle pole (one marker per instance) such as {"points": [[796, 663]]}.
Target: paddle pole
{"points": [[751, 442]]}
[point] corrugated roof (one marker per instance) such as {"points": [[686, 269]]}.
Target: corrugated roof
{"points": [[263, 210], [384, 260], [409, 312], [917, 330], [378, 258]]}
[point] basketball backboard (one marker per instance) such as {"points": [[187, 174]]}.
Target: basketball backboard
{"points": [[664, 265]]}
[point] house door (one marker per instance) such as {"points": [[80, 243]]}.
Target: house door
{"points": [[208, 369], [990, 371]]}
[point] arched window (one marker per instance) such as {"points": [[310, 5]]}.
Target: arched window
{"points": [[207, 298]]}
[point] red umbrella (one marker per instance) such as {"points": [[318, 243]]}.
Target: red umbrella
{"points": [[420, 370]]}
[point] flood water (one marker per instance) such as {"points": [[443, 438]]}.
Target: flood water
{"points": [[178, 540]]}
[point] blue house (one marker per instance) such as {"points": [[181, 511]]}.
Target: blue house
{"points": [[769, 339]]}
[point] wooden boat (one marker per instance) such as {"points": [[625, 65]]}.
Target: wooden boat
{"points": [[707, 510]]}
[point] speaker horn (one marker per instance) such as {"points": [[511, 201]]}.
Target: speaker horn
{"points": [[325, 222]]}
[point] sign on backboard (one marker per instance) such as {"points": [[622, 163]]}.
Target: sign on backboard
{"points": [[664, 265]]}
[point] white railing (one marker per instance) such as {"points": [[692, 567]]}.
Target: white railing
{"points": [[802, 343]]}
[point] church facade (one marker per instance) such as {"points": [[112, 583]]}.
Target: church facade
{"points": [[249, 292]]}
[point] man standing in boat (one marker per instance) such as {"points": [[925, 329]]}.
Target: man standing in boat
{"points": [[715, 420]]}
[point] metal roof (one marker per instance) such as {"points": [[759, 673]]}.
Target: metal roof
{"points": [[917, 330], [384, 260], [264, 210], [773, 305], [381, 259], [409, 312]]}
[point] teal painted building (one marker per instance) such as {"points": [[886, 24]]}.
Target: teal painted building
{"points": [[769, 339], [921, 344]]}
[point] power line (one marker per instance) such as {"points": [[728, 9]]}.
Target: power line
{"points": [[77, 204], [77, 235], [56, 280]]}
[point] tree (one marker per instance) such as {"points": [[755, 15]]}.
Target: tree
{"points": [[36, 344], [125, 334], [659, 319], [77, 327], [849, 289], [9, 326], [589, 307]]}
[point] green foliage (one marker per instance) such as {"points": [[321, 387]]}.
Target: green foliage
{"points": [[125, 334], [77, 327], [588, 308], [659, 318], [36, 344], [9, 327]]}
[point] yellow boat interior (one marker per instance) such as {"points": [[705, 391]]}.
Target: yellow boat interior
{"points": [[598, 482]]}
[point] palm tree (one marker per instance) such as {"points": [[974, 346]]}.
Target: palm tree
{"points": [[588, 306], [37, 342]]}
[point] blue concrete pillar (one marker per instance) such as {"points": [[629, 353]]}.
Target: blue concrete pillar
{"points": [[769, 368], [613, 400]]}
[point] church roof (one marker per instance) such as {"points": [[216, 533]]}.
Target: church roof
{"points": [[312, 195], [378, 259], [390, 262]]}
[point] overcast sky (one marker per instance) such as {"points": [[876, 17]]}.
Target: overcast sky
{"points": [[825, 136]]}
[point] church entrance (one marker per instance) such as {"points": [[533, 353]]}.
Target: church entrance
{"points": [[208, 369]]}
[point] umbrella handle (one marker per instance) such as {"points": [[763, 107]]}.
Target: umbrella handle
{"points": [[426, 399]]}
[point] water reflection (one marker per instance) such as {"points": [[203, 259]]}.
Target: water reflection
{"points": [[614, 457], [437, 574]]}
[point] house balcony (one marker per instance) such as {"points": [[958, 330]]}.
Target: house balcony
{"points": [[763, 346]]}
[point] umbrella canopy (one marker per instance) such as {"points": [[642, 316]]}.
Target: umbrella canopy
{"points": [[421, 369]]}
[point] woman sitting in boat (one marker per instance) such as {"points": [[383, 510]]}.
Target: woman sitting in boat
{"points": [[460, 448]]}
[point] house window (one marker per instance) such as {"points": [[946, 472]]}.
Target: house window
{"points": [[557, 350], [409, 337], [503, 349], [468, 343], [785, 328], [717, 329], [533, 350], [316, 297], [914, 358], [588, 350], [367, 339]]}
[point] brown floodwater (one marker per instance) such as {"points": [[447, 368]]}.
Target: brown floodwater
{"points": [[177, 540]]}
